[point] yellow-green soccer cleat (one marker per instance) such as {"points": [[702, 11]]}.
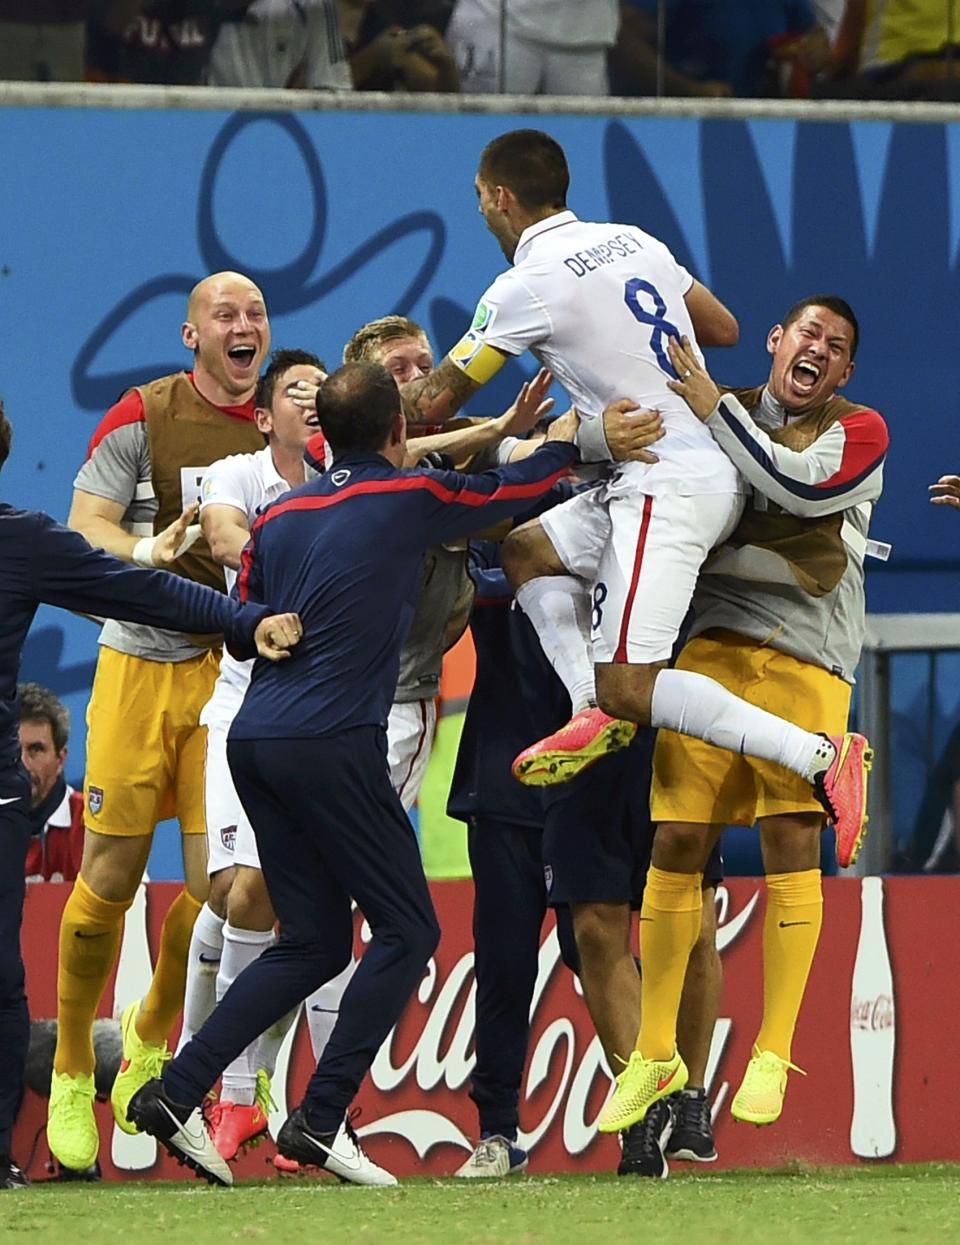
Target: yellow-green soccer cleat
{"points": [[141, 1062], [759, 1100], [642, 1083], [72, 1132], [588, 736]]}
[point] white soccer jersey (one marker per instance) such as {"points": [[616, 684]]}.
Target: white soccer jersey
{"points": [[248, 482], [597, 303]]}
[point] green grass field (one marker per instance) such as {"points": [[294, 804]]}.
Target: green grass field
{"points": [[870, 1206]]}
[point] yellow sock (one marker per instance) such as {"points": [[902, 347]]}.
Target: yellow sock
{"points": [[90, 931], [669, 928], [164, 999], [791, 930]]}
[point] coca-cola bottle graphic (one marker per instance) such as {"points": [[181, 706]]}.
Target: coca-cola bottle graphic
{"points": [[873, 1129]]}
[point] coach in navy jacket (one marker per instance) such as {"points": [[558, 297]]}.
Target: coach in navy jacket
{"points": [[42, 563], [307, 749]]}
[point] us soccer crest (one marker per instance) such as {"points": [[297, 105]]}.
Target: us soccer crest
{"points": [[95, 800], [228, 837]]}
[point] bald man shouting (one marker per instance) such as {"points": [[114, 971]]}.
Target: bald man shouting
{"points": [[135, 496]]}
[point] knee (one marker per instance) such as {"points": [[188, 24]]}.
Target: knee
{"points": [[522, 554], [625, 691], [248, 903], [599, 930], [218, 895], [680, 848], [424, 937], [113, 867]]}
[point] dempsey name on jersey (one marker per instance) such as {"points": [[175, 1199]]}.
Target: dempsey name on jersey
{"points": [[594, 257]]}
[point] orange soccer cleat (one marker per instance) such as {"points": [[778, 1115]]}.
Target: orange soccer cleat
{"points": [[234, 1125], [588, 736], [842, 790]]}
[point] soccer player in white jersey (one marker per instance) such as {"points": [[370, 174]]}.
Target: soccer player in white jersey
{"points": [[598, 305]]}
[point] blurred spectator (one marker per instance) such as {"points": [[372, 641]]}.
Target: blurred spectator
{"points": [[160, 41], [732, 47], [282, 43], [398, 45], [43, 40], [548, 48], [896, 49], [934, 844], [56, 810]]}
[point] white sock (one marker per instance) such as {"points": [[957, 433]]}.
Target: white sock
{"points": [[203, 963], [240, 948], [693, 704], [270, 1041], [323, 1009], [559, 608]]}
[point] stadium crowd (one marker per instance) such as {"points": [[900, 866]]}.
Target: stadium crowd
{"points": [[867, 49], [304, 492]]}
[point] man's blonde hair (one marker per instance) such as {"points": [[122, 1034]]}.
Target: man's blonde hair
{"points": [[366, 343]]}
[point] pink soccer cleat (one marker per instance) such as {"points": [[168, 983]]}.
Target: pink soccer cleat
{"points": [[588, 736], [234, 1125], [842, 790]]}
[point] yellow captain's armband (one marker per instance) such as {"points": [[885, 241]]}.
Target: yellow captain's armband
{"points": [[478, 360]]}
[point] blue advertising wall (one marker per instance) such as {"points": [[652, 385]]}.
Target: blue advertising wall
{"points": [[107, 218]]}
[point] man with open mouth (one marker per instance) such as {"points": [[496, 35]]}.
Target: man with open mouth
{"points": [[145, 747]]}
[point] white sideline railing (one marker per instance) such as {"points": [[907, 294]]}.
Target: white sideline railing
{"points": [[232, 99]]}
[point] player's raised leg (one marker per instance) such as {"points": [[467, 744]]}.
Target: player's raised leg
{"points": [[551, 563]]}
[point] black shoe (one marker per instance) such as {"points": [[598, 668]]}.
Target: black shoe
{"points": [[339, 1153], [181, 1130], [11, 1177], [644, 1143], [66, 1174], [692, 1136]]}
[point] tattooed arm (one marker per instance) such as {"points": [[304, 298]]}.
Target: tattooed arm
{"points": [[434, 398]]}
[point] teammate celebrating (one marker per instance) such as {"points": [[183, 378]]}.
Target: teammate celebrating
{"points": [[321, 730], [598, 304], [779, 620], [145, 746]]}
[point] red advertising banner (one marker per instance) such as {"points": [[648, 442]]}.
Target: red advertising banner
{"points": [[874, 1038]]}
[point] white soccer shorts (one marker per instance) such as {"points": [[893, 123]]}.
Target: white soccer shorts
{"points": [[642, 556], [410, 731], [230, 838]]}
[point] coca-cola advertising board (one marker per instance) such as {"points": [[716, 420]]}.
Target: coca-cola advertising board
{"points": [[875, 1039]]}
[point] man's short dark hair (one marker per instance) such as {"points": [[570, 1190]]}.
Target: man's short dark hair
{"points": [[531, 164], [833, 302], [6, 435], [356, 406], [281, 361], [38, 704]]}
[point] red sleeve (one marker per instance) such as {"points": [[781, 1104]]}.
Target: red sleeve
{"points": [[129, 410], [866, 443]]}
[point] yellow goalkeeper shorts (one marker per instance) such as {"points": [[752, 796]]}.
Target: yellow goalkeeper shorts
{"points": [[698, 783], [145, 746]]}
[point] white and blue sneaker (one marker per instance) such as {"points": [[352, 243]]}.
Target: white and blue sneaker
{"points": [[494, 1156]]}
